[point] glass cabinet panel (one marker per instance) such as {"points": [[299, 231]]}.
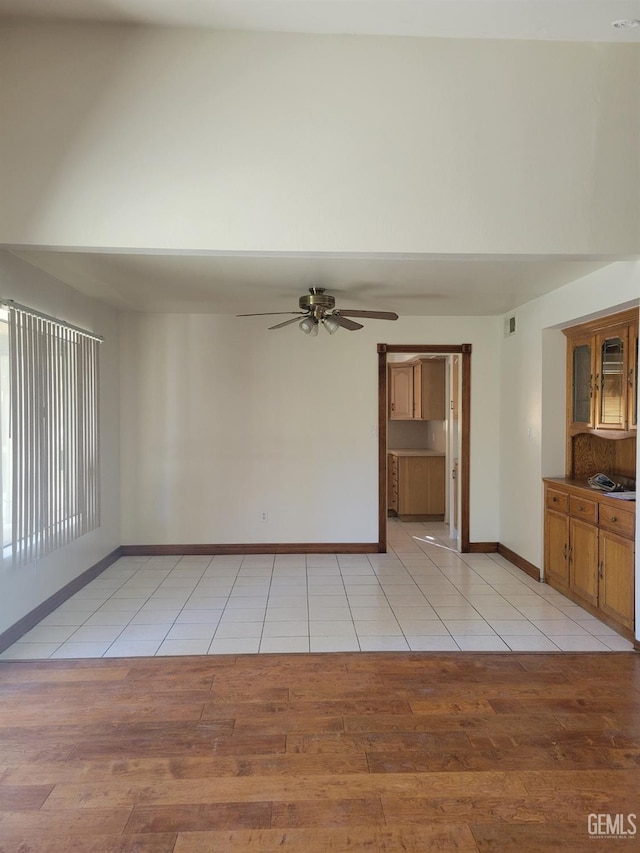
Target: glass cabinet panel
{"points": [[581, 403], [611, 382]]}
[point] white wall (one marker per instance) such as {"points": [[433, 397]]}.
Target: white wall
{"points": [[222, 420], [24, 587], [192, 140], [532, 415]]}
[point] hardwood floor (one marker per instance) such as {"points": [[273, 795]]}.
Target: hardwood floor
{"points": [[315, 753]]}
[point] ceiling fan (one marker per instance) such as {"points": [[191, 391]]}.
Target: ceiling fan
{"points": [[319, 307]]}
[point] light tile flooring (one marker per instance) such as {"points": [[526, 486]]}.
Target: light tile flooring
{"points": [[421, 596]]}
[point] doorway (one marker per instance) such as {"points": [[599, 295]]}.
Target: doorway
{"points": [[463, 351]]}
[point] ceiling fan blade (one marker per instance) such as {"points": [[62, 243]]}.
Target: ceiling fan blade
{"points": [[345, 323], [286, 323], [270, 313], [374, 315]]}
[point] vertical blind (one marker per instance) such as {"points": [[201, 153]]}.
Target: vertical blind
{"points": [[54, 372]]}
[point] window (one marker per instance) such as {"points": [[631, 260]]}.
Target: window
{"points": [[49, 433]]}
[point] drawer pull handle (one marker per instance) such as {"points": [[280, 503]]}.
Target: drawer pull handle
{"points": [[614, 518], [555, 500], [580, 508]]}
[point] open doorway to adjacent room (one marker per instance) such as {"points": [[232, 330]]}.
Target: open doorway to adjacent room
{"points": [[424, 395]]}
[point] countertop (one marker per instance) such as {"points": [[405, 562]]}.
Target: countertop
{"points": [[416, 452], [596, 494]]}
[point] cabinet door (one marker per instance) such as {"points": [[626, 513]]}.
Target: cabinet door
{"points": [[556, 548], [611, 379], [581, 370], [400, 392], [632, 378], [583, 560], [430, 389], [616, 581], [435, 488], [421, 485]]}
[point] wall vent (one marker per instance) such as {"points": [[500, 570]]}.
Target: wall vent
{"points": [[509, 326]]}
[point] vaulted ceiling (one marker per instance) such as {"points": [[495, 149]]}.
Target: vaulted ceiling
{"points": [[411, 284]]}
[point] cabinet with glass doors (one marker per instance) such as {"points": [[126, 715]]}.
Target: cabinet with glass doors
{"points": [[602, 374]]}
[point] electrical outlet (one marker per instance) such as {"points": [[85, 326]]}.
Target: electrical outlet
{"points": [[264, 516]]}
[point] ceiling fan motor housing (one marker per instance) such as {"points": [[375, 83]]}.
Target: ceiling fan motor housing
{"points": [[317, 303]]}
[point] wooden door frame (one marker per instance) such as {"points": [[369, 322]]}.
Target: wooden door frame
{"points": [[465, 431]]}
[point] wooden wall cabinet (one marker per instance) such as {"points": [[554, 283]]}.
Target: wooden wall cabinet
{"points": [[590, 551], [602, 371], [429, 383], [581, 371], [401, 405], [416, 484], [589, 547], [417, 390]]}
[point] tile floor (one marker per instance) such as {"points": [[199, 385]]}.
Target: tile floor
{"points": [[421, 596]]}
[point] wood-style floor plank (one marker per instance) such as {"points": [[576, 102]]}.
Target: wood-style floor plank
{"points": [[98, 843], [383, 752], [448, 839], [199, 817]]}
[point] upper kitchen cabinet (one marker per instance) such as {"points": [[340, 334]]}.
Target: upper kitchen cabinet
{"points": [[602, 368], [610, 388], [401, 404], [580, 368], [417, 390], [429, 382]]}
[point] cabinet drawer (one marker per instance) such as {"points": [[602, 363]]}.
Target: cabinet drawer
{"points": [[558, 500], [617, 520], [583, 508]]}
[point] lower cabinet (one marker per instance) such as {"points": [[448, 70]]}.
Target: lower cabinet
{"points": [[416, 484], [556, 549], [616, 586], [583, 560], [589, 551]]}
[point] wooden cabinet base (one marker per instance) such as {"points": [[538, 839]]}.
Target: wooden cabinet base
{"points": [[589, 551], [416, 485]]}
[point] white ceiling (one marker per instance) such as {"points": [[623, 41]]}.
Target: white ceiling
{"points": [[556, 20], [237, 283], [242, 283]]}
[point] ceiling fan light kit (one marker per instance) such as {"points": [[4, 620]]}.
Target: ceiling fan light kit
{"points": [[319, 307], [331, 325]]}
